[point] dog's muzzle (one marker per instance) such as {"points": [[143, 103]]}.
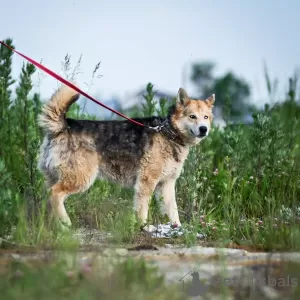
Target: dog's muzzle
{"points": [[203, 131]]}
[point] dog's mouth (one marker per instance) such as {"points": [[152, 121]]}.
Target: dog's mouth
{"points": [[200, 135]]}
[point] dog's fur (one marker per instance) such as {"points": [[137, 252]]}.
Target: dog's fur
{"points": [[75, 152]]}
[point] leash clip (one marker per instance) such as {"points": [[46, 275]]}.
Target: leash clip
{"points": [[157, 128], [169, 133]]}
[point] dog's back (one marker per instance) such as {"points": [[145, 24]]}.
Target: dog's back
{"points": [[119, 145]]}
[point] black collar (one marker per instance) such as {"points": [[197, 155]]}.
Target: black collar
{"points": [[166, 129]]}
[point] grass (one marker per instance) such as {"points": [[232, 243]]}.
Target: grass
{"points": [[245, 178], [239, 188], [60, 279]]}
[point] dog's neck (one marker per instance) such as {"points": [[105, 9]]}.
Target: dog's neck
{"points": [[168, 130]]}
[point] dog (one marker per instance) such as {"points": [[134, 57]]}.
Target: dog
{"points": [[74, 153]]}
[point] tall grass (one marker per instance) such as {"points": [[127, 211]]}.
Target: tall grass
{"points": [[239, 186], [131, 279]]}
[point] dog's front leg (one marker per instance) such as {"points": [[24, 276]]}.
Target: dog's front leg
{"points": [[169, 199], [143, 191]]}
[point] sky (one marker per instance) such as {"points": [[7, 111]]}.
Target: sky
{"points": [[154, 41]]}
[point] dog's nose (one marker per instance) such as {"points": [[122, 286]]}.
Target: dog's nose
{"points": [[203, 129]]}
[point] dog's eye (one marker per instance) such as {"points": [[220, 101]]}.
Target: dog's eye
{"points": [[205, 117], [193, 117]]}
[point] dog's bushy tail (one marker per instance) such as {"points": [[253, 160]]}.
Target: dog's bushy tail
{"points": [[52, 118]]}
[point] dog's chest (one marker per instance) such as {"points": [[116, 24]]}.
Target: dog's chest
{"points": [[172, 168]]}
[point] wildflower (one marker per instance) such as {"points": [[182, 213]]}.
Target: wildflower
{"points": [[285, 213], [251, 177], [214, 228], [19, 273], [203, 224], [70, 274], [219, 196], [175, 225], [202, 217], [259, 223], [86, 268], [216, 172], [204, 178]]}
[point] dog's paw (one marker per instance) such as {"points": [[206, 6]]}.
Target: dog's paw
{"points": [[149, 228], [64, 226]]}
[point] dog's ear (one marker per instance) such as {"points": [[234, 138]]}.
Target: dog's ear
{"points": [[182, 97], [210, 100]]}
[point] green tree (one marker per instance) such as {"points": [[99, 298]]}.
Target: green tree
{"points": [[230, 89], [202, 76], [6, 81], [19, 136]]}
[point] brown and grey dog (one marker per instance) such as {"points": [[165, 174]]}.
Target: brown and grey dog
{"points": [[76, 152]]}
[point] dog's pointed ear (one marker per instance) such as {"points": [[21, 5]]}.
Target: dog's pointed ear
{"points": [[211, 100], [182, 97]]}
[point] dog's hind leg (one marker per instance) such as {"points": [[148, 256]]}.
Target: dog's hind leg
{"points": [[72, 181], [58, 195]]}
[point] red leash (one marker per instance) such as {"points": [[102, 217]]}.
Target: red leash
{"points": [[56, 76]]}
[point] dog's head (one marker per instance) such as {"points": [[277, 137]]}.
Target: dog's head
{"points": [[192, 118]]}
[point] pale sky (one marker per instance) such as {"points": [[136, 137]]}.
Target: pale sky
{"points": [[142, 41]]}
